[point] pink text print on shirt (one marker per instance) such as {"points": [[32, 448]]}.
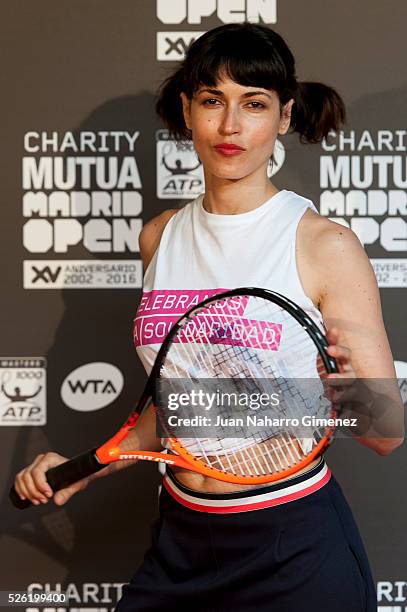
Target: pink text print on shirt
{"points": [[225, 323]]}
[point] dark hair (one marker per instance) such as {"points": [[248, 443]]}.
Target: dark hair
{"points": [[256, 56]]}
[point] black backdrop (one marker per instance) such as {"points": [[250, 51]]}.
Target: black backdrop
{"points": [[71, 273]]}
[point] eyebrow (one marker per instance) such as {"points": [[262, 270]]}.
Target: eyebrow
{"points": [[249, 94]]}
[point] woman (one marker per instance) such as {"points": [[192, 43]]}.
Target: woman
{"points": [[234, 94]]}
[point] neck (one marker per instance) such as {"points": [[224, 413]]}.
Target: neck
{"points": [[232, 197]]}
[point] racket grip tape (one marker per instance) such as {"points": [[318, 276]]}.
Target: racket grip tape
{"points": [[64, 475]]}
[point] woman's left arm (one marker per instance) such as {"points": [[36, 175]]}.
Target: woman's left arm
{"points": [[350, 302]]}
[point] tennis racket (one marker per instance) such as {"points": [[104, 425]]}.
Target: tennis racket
{"points": [[243, 343]]}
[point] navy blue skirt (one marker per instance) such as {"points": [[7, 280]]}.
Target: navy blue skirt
{"points": [[281, 548]]}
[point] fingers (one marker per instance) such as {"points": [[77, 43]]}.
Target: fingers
{"points": [[31, 483], [25, 485], [37, 473], [62, 496], [342, 354]]}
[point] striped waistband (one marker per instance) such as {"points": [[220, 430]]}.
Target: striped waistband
{"points": [[274, 494]]}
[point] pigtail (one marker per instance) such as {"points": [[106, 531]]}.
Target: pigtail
{"points": [[168, 105], [318, 109]]}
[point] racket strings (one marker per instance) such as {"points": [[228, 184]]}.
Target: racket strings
{"points": [[212, 345], [186, 361], [261, 459]]}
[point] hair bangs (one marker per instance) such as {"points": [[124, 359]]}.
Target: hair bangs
{"points": [[251, 62]]}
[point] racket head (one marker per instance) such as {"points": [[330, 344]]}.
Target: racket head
{"points": [[203, 346]]}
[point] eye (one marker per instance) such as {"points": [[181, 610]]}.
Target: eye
{"points": [[210, 102], [258, 105]]}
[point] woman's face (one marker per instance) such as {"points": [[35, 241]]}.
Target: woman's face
{"points": [[233, 114]]}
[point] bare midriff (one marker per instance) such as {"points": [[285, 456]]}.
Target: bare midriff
{"points": [[206, 484]]}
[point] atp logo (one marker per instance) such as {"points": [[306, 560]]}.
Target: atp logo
{"points": [[179, 171], [22, 391]]}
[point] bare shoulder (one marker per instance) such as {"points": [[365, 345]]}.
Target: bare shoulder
{"points": [[331, 255], [150, 235], [324, 238]]}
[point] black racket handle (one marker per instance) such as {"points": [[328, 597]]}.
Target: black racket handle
{"points": [[64, 475]]}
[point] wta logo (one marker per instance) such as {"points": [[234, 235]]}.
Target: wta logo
{"points": [[92, 386]]}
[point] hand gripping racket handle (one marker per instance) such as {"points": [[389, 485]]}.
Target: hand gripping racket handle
{"points": [[64, 475]]}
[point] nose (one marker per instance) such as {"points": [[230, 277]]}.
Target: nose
{"points": [[230, 123]]}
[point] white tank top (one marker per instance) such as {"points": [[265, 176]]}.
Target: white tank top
{"points": [[201, 254]]}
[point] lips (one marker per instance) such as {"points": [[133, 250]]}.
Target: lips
{"points": [[227, 149]]}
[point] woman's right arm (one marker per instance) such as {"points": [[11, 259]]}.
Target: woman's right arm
{"points": [[30, 483]]}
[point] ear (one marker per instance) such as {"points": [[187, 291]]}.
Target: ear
{"points": [[286, 117], [186, 110]]}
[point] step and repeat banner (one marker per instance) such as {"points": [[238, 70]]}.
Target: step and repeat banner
{"points": [[85, 163]]}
